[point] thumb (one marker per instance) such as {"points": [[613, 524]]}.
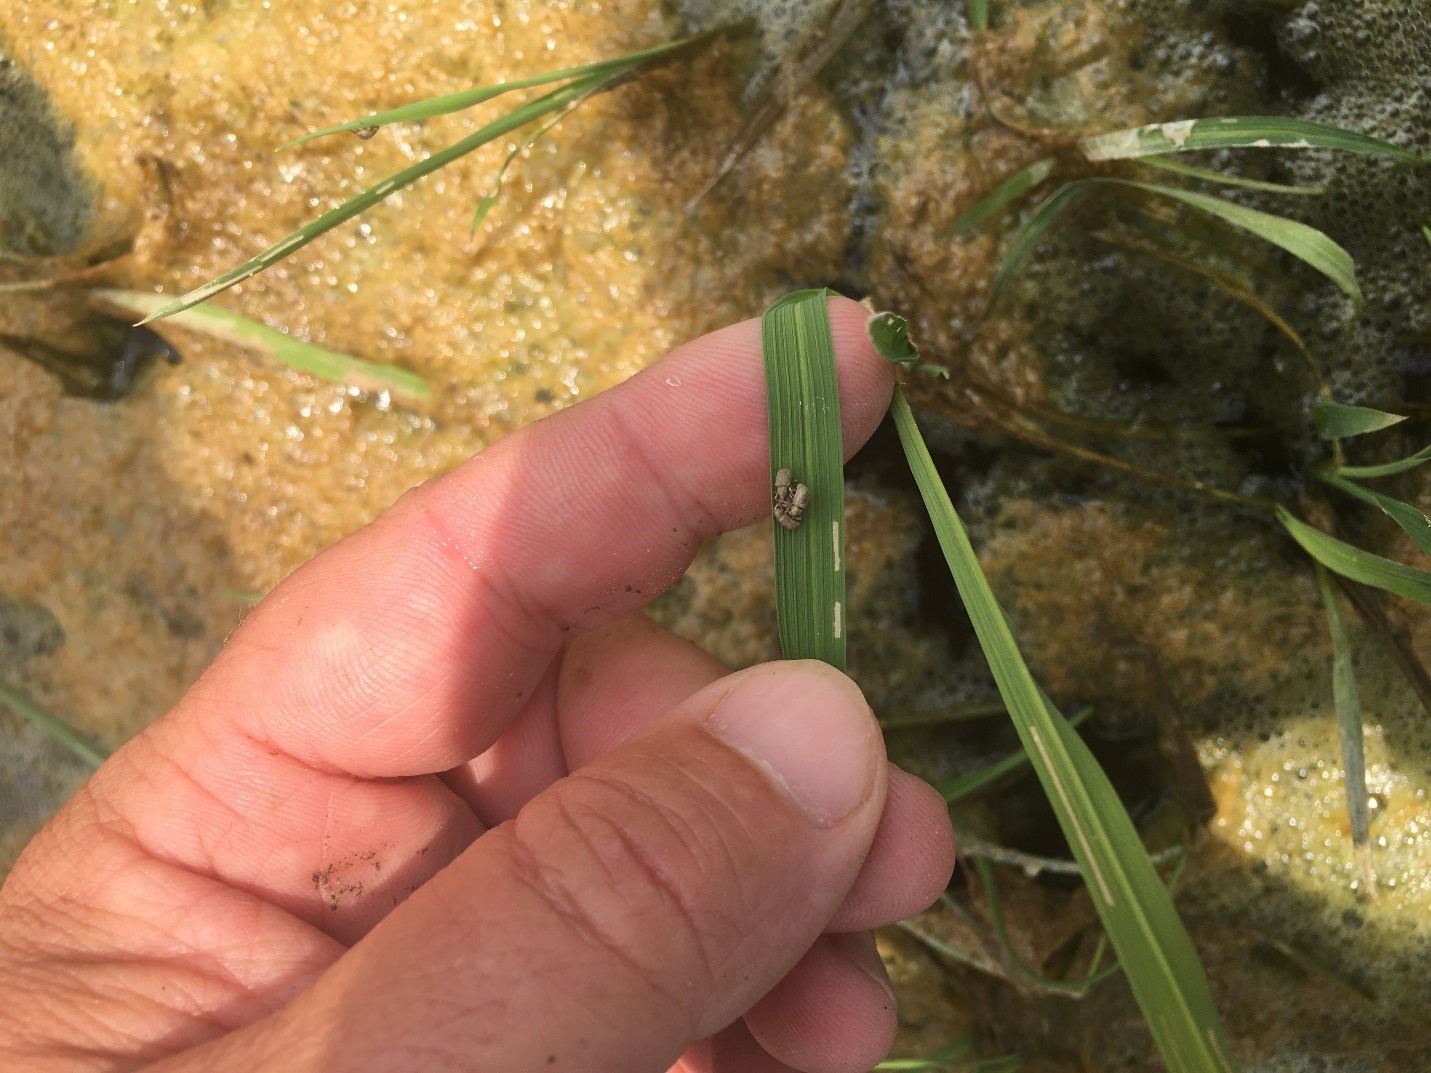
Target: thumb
{"points": [[642, 903]]}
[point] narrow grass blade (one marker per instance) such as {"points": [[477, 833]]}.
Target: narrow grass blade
{"points": [[1027, 237], [1305, 243], [1002, 196], [1207, 175], [1236, 291], [805, 439], [1352, 562], [964, 785], [484, 206], [1136, 909], [1417, 527], [257, 338], [467, 98], [1335, 421], [1075, 988], [1235, 132], [978, 14], [61, 731], [518, 117], [1387, 469], [1426, 234], [957, 713], [815, 48], [957, 1050], [1349, 728], [946, 1060]]}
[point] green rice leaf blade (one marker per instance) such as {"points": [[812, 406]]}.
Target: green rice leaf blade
{"points": [[1412, 520], [954, 789], [468, 98], [1027, 237], [1305, 243], [1136, 909], [57, 728], [1002, 196], [258, 338], [1336, 422], [1014, 959], [1207, 175], [484, 206], [805, 438], [1235, 132], [1387, 469], [1349, 720], [979, 14], [1352, 562], [945, 1057], [518, 117]]}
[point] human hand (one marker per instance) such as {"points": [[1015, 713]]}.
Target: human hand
{"points": [[649, 861]]}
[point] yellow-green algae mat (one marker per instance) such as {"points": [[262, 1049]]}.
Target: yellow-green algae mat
{"points": [[1136, 909]]}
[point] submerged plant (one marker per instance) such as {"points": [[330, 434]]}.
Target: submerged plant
{"points": [[579, 83], [1150, 146]]}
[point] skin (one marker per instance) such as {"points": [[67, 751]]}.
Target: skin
{"points": [[448, 801]]}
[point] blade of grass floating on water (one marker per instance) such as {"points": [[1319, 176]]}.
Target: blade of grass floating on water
{"points": [[1349, 729], [806, 59], [519, 117], [1305, 243], [1412, 520], [1002, 196], [243, 596], [1076, 988], [1392, 636], [1336, 421], [1387, 469], [467, 98], [805, 438], [1352, 562], [955, 713], [1136, 909], [61, 731], [942, 1058], [953, 1063], [1027, 237], [1234, 290], [1235, 132], [1207, 175], [278, 346], [484, 206], [954, 789]]}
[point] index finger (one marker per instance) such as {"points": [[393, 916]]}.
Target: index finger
{"points": [[408, 646]]}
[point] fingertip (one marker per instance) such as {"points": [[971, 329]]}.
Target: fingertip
{"points": [[866, 380], [833, 1013], [910, 861]]}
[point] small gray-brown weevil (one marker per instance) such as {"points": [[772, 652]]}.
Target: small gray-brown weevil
{"points": [[791, 499]]}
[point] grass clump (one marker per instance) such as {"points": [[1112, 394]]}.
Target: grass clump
{"points": [[580, 83]]}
